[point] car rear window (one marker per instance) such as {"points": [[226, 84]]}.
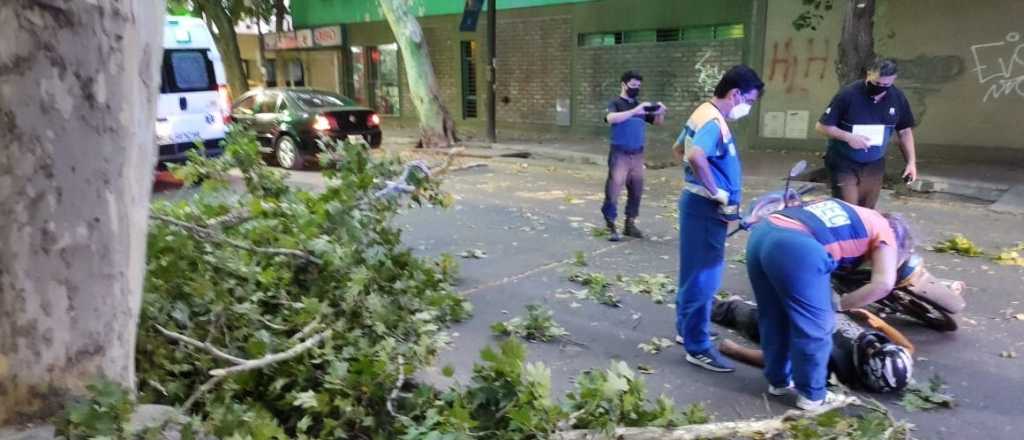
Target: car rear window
{"points": [[318, 100], [187, 71]]}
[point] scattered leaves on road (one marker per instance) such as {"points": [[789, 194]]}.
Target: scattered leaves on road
{"points": [[655, 345], [1012, 256], [918, 397], [960, 245], [473, 253], [579, 259], [657, 286], [597, 288], [645, 369], [538, 325]]}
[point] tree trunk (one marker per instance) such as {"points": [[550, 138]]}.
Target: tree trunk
{"points": [[437, 129], [224, 36], [857, 43], [281, 75], [78, 84]]}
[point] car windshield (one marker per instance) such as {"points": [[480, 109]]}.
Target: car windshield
{"points": [[321, 99]]}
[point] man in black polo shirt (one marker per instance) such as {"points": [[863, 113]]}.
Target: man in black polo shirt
{"points": [[859, 123], [628, 119]]}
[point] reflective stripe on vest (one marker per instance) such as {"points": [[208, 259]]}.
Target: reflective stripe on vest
{"points": [[831, 221]]}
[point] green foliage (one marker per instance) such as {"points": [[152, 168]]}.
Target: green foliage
{"points": [[598, 288], [380, 302], [960, 245], [579, 259], [655, 345], [917, 397], [658, 286], [812, 15], [538, 325], [104, 413], [836, 425], [604, 400]]}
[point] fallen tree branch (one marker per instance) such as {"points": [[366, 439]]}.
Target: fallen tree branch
{"points": [[216, 352], [230, 219], [208, 234], [764, 428], [398, 386], [306, 330], [273, 358], [207, 386]]}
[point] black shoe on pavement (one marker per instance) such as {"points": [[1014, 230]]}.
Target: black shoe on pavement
{"points": [[631, 230], [613, 233]]}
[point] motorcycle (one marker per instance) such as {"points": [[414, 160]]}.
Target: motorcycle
{"points": [[918, 294]]}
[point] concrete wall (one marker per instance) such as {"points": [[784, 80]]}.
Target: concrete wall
{"points": [[958, 99]]}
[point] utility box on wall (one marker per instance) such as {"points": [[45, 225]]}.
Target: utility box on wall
{"points": [[563, 114]]}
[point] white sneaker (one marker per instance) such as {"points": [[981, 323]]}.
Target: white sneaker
{"points": [[811, 405], [780, 391]]}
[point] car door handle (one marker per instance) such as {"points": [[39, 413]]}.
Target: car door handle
{"points": [[183, 103]]}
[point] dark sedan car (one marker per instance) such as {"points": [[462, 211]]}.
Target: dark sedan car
{"points": [[290, 122]]}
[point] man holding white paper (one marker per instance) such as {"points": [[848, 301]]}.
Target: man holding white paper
{"points": [[858, 123]]}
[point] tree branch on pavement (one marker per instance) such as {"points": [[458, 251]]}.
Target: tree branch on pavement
{"points": [[273, 358], [211, 235], [766, 428]]}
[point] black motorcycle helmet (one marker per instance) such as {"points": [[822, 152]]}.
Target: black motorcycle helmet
{"points": [[884, 366]]}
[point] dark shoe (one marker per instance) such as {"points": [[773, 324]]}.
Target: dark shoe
{"points": [[711, 360], [613, 233], [631, 230]]}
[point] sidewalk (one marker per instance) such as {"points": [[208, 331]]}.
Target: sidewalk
{"points": [[997, 179]]}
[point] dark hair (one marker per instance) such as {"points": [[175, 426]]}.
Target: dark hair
{"points": [[884, 67], [631, 75], [739, 77]]}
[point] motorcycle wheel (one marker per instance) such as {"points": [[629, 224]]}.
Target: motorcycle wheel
{"points": [[920, 309]]}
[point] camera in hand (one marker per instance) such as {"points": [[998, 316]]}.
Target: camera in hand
{"points": [[651, 108]]}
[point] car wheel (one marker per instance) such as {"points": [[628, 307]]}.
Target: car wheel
{"points": [[287, 154]]}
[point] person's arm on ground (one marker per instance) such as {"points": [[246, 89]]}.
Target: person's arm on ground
{"points": [[883, 278], [749, 356], [873, 321], [623, 116], [907, 145]]}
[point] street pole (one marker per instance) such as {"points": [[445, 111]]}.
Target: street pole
{"points": [[492, 47]]}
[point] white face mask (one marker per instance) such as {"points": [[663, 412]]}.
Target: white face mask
{"points": [[740, 110]]}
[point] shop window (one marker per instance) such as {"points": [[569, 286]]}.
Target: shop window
{"points": [[384, 83]]}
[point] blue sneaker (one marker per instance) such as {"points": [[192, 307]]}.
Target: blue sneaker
{"points": [[711, 360]]}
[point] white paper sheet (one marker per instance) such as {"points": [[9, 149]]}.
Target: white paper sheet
{"points": [[874, 132]]}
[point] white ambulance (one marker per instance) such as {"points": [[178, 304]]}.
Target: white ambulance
{"points": [[194, 103]]}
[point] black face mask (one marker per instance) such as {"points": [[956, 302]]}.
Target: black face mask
{"points": [[873, 89], [632, 92]]}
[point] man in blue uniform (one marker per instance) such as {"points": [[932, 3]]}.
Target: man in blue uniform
{"points": [[628, 119], [859, 123], [710, 199]]}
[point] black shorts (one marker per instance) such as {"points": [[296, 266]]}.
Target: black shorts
{"points": [[842, 172]]}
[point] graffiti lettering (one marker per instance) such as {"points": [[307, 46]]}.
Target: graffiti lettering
{"points": [[785, 63], [999, 66]]}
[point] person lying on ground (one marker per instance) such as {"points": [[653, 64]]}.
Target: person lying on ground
{"points": [[877, 358]]}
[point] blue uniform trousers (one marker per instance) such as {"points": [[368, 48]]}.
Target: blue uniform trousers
{"points": [[702, 231], [789, 271]]}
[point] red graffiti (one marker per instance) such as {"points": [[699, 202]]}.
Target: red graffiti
{"points": [[785, 63]]}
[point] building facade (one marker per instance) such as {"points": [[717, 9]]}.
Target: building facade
{"points": [[558, 63]]}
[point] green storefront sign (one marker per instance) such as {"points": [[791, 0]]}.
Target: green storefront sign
{"points": [[312, 13]]}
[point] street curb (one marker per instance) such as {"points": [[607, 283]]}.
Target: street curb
{"points": [[544, 152], [975, 189], [1012, 201]]}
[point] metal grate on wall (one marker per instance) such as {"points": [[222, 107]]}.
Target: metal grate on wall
{"points": [[469, 96], [691, 33]]}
